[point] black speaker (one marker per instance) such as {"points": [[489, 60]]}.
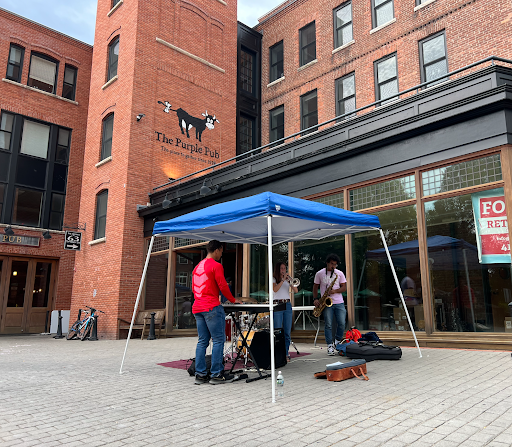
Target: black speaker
{"points": [[260, 348]]}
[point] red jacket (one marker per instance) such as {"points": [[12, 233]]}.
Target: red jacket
{"points": [[207, 280]]}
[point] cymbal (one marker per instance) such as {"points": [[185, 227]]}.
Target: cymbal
{"points": [[247, 299]]}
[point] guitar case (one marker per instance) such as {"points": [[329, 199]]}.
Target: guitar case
{"points": [[373, 351], [337, 372]]}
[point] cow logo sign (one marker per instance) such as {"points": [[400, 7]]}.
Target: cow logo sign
{"points": [[187, 122]]}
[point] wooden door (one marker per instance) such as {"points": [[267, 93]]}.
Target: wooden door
{"points": [[16, 295]]}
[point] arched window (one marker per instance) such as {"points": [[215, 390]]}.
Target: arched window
{"points": [[113, 55], [106, 139], [101, 214]]}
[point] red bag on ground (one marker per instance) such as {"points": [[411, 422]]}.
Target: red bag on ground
{"points": [[353, 334]]}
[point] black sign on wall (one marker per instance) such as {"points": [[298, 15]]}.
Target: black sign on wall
{"points": [[73, 240]]}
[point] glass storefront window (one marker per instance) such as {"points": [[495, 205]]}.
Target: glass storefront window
{"points": [[468, 296], [42, 284], [258, 287], [377, 302], [382, 193], [156, 282]]}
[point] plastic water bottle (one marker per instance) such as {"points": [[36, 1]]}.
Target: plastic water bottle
{"points": [[280, 384]]}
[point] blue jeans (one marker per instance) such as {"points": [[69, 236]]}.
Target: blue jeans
{"points": [[340, 313], [285, 317], [210, 325]]}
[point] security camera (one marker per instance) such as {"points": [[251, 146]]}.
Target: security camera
{"points": [[139, 116]]}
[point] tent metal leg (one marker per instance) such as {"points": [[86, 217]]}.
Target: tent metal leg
{"points": [[137, 301], [399, 290], [469, 289], [271, 306]]}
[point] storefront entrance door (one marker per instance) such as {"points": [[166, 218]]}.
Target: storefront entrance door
{"points": [[26, 289]]}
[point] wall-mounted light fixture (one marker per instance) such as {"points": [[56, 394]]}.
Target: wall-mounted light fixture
{"points": [[166, 203], [47, 235], [9, 231], [206, 190], [140, 116]]}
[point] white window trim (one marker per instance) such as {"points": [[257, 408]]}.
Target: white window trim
{"points": [[102, 162], [343, 46], [374, 30], [114, 8], [52, 95], [423, 5], [277, 81], [223, 2], [98, 241], [309, 64], [110, 81], [193, 56]]}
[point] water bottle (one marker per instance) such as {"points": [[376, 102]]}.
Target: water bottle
{"points": [[280, 384]]}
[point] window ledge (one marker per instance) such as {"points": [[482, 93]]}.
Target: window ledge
{"points": [[102, 162], [114, 79], [313, 62], [374, 30], [98, 241], [193, 56], [388, 102], [52, 95], [343, 46], [416, 8], [223, 2], [114, 8], [277, 81]]}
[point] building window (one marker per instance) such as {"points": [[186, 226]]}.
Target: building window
{"points": [[6, 130], [383, 193], [27, 207], [336, 200], [433, 59], [115, 2], [308, 111], [2, 194], [386, 77], [182, 278], [43, 73], [247, 67], [343, 24], [247, 133], [15, 63], [106, 143], [113, 56], [276, 62], [57, 211], [69, 87], [345, 95], [307, 37], [101, 215], [63, 146], [182, 260], [276, 124], [382, 12], [35, 139]]}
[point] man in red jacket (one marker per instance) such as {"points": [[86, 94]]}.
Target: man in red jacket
{"points": [[207, 280]]}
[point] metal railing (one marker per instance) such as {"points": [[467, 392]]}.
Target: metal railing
{"points": [[350, 114]]}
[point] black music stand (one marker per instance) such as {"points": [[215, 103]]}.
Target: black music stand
{"points": [[244, 344]]}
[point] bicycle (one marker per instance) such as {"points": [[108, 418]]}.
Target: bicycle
{"points": [[82, 328]]}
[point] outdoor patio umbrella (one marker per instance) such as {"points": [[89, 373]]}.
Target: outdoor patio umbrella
{"points": [[268, 219]]}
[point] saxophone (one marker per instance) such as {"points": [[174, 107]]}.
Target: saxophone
{"points": [[325, 301]]}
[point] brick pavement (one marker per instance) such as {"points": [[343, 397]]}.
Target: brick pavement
{"points": [[58, 392]]}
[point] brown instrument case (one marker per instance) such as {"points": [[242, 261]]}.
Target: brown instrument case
{"points": [[344, 371]]}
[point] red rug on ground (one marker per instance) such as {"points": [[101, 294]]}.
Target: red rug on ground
{"points": [[184, 364]]}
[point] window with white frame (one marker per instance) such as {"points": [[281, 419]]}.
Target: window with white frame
{"points": [[343, 24], [182, 278]]}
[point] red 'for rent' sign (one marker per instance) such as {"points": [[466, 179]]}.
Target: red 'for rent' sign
{"points": [[493, 226]]}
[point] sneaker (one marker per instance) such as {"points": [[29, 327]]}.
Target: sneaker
{"points": [[337, 342], [201, 379], [331, 350], [222, 378]]}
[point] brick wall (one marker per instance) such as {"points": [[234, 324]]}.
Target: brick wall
{"points": [[17, 98], [148, 72], [467, 24]]}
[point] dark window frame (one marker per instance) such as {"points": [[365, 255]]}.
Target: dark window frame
{"points": [[271, 65], [2, 199], [114, 3], [302, 48], [423, 76], [20, 65], [376, 77], [73, 86], [2, 112], [50, 59], [374, 12], [110, 64], [275, 129], [106, 120], [251, 71], [252, 120], [302, 116], [339, 83], [334, 11], [99, 216], [419, 2]]}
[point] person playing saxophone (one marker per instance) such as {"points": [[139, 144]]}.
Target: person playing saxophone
{"points": [[333, 281]]}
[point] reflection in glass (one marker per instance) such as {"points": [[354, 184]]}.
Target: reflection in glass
{"points": [[258, 280], [377, 302], [27, 207], [41, 284], [18, 278], [156, 283], [468, 296]]}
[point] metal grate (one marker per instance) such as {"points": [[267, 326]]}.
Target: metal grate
{"points": [[462, 175], [334, 200], [383, 193], [182, 242], [160, 243]]}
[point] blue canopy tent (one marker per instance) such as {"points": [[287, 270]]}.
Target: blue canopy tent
{"points": [[266, 219]]}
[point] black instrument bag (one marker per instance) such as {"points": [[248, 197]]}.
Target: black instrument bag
{"points": [[373, 351]]}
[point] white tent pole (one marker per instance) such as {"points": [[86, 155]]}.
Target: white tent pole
{"points": [[360, 281], [469, 288], [399, 290], [271, 306], [138, 298]]}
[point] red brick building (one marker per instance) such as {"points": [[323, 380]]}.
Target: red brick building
{"points": [[44, 97]]}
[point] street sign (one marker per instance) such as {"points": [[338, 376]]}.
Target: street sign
{"points": [[73, 240]]}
